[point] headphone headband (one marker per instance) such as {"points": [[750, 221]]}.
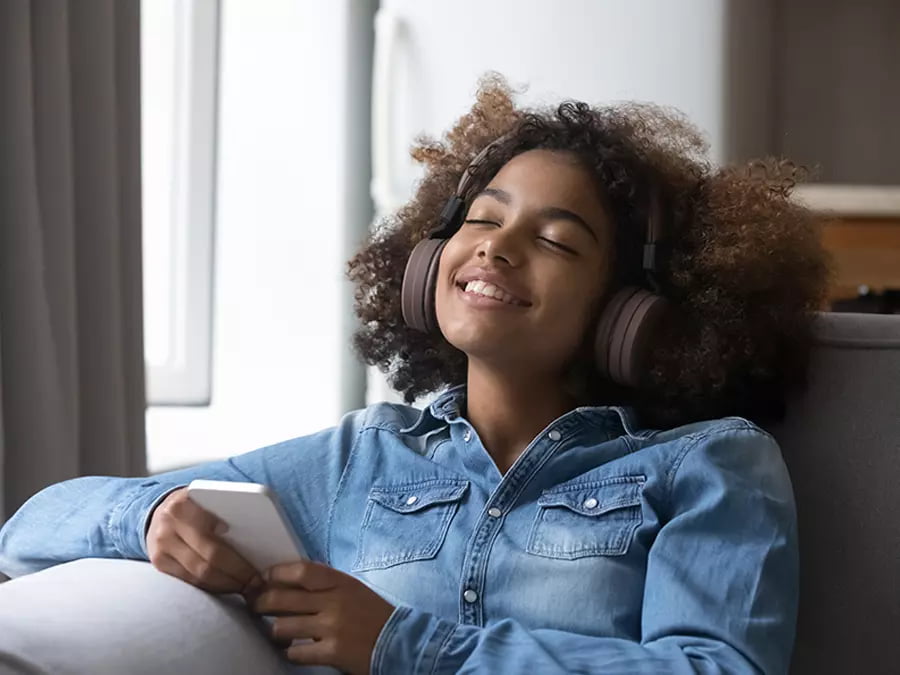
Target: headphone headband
{"points": [[453, 211], [650, 259]]}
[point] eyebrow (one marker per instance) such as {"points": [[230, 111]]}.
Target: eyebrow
{"points": [[548, 212]]}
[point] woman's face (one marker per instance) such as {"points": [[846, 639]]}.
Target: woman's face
{"points": [[523, 276]]}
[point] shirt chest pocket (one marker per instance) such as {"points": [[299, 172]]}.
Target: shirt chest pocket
{"points": [[407, 522], [595, 518]]}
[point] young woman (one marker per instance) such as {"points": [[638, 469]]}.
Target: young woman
{"points": [[607, 314]]}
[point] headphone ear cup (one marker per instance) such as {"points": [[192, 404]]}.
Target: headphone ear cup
{"points": [[420, 284], [626, 333]]}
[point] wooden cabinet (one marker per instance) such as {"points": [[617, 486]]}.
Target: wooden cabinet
{"points": [[862, 233], [866, 253]]}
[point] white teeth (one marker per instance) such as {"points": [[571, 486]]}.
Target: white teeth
{"points": [[490, 291]]}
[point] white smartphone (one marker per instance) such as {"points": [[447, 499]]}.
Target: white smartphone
{"points": [[257, 526]]}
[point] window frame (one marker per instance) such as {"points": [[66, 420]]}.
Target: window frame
{"points": [[184, 378]]}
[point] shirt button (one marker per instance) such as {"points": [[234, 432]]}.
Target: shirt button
{"points": [[554, 435], [412, 500], [494, 512], [470, 596], [467, 436], [590, 503]]}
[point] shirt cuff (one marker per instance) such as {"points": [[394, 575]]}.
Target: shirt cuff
{"points": [[130, 519], [410, 642]]}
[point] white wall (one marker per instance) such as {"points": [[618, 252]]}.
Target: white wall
{"points": [[703, 57], [285, 177]]}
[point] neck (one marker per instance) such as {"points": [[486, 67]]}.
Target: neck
{"points": [[509, 409]]}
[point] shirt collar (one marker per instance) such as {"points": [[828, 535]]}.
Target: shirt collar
{"points": [[445, 408], [448, 406], [623, 418]]}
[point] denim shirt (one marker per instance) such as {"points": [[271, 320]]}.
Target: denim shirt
{"points": [[603, 549]]}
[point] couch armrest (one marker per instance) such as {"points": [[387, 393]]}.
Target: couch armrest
{"points": [[124, 616]]}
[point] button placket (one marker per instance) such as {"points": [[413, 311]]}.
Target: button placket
{"points": [[479, 550]]}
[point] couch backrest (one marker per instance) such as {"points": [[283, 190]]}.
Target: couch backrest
{"points": [[841, 442]]}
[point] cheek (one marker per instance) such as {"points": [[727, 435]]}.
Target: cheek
{"points": [[575, 310]]}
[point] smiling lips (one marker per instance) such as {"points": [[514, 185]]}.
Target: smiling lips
{"points": [[488, 290]]}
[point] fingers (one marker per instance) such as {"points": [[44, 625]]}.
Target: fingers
{"points": [[172, 567], [278, 601], [168, 564], [306, 639], [202, 572], [216, 552], [319, 652], [183, 532], [300, 627], [185, 510], [251, 590], [305, 574]]}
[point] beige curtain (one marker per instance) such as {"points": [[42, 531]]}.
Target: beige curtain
{"points": [[71, 346]]}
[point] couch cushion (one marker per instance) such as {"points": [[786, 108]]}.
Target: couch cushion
{"points": [[123, 616], [841, 442]]}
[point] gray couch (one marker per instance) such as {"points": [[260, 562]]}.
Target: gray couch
{"points": [[841, 442]]}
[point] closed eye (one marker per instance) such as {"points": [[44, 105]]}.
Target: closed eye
{"points": [[549, 242], [557, 245]]}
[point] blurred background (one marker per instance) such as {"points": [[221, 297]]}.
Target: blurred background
{"points": [[269, 134]]}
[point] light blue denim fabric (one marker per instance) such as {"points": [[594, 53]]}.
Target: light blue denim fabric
{"points": [[604, 549]]}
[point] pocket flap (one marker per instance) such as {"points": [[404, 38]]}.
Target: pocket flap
{"points": [[594, 498], [410, 497]]}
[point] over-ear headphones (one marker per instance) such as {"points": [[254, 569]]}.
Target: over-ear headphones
{"points": [[629, 324]]}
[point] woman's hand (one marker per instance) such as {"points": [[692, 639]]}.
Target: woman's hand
{"points": [[342, 616], [182, 541]]}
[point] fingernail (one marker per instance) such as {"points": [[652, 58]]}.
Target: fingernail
{"points": [[221, 528]]}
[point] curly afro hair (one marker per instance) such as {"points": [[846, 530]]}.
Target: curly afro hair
{"points": [[742, 262]]}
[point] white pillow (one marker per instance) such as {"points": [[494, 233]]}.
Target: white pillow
{"points": [[123, 616]]}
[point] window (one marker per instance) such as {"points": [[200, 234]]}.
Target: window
{"points": [[178, 79], [291, 175]]}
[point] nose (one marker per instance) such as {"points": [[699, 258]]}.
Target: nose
{"points": [[500, 245]]}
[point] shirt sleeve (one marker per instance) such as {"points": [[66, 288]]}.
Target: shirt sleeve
{"points": [[720, 593], [107, 517]]}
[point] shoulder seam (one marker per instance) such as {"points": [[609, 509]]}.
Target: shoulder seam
{"points": [[694, 441], [392, 425], [382, 426], [350, 457]]}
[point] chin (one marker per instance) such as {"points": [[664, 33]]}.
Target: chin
{"points": [[492, 344], [475, 343]]}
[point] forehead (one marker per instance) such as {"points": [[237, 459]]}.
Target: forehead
{"points": [[550, 178]]}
